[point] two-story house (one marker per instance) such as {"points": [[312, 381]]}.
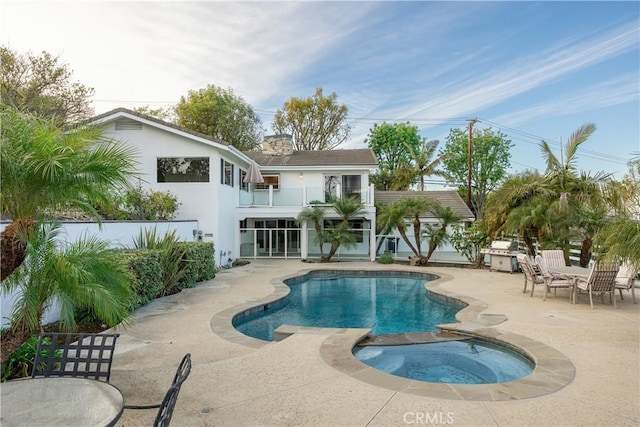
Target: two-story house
{"points": [[247, 220]]}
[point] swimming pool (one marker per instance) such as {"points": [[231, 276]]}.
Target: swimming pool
{"points": [[386, 302], [471, 361]]}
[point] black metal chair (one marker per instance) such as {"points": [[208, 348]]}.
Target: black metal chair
{"points": [[168, 403], [74, 355]]}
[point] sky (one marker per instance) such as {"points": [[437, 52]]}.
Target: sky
{"points": [[531, 70]]}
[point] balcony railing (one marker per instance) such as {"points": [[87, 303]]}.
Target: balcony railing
{"points": [[298, 196]]}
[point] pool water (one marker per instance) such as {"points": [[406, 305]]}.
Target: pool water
{"points": [[386, 303], [456, 362]]}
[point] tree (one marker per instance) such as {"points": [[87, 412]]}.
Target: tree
{"points": [[44, 169], [338, 234], [42, 86], [620, 240], [392, 216], [221, 114], [347, 208], [83, 275], [393, 144], [438, 234], [469, 241], [314, 214], [317, 122], [489, 160], [423, 162], [518, 206], [404, 157], [167, 114], [408, 210], [577, 207]]}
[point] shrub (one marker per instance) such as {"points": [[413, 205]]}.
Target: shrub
{"points": [[147, 274], [150, 205], [20, 363], [173, 258], [199, 263], [386, 259]]}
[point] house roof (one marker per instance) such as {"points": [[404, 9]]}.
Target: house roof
{"points": [[446, 198], [354, 157], [117, 112]]}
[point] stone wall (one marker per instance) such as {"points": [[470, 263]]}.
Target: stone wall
{"points": [[277, 145]]}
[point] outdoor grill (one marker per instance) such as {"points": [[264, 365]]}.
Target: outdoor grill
{"points": [[503, 256]]}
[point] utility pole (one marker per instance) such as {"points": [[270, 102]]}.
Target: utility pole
{"points": [[469, 163]]}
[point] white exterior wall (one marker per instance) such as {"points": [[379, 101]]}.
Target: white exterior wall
{"points": [[117, 234], [210, 203]]}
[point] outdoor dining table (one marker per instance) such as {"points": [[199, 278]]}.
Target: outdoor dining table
{"points": [[59, 401], [574, 273]]}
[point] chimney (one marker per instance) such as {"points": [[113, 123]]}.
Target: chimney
{"points": [[277, 145]]}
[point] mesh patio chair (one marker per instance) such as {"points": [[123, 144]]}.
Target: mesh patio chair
{"points": [[554, 258], [74, 355], [166, 406], [530, 274], [551, 281], [602, 280], [625, 280]]}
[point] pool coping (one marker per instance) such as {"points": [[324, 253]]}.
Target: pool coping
{"points": [[553, 370]]}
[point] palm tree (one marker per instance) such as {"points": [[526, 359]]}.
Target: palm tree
{"points": [[415, 208], [439, 234], [423, 165], [347, 208], [392, 216], [44, 168], [83, 275], [314, 214], [620, 240]]}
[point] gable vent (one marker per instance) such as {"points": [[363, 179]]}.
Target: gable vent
{"points": [[128, 124]]}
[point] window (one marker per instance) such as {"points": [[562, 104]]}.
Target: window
{"points": [[356, 226], [350, 186], [244, 186], [269, 180], [183, 169], [226, 173], [331, 183]]}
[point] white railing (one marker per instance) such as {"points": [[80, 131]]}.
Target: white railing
{"points": [[297, 196]]}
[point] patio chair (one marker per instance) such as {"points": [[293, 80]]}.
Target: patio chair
{"points": [[602, 280], [530, 274], [552, 281], [625, 280], [74, 355], [554, 258], [183, 371]]}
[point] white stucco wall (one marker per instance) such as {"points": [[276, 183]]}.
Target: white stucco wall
{"points": [[117, 234], [211, 203]]}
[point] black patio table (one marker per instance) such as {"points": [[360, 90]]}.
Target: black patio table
{"points": [[56, 401]]}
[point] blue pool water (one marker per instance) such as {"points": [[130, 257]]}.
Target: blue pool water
{"points": [[387, 303], [455, 362]]}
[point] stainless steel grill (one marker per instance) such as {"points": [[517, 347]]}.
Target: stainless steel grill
{"points": [[503, 256]]}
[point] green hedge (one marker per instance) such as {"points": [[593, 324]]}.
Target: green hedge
{"points": [[146, 267], [199, 262]]}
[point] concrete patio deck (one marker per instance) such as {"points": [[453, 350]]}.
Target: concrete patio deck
{"points": [[291, 382]]}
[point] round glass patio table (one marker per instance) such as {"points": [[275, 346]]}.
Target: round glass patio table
{"points": [[60, 402]]}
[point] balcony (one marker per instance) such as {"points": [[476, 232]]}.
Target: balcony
{"points": [[297, 196]]}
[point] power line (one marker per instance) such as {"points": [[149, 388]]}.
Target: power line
{"points": [[582, 151]]}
